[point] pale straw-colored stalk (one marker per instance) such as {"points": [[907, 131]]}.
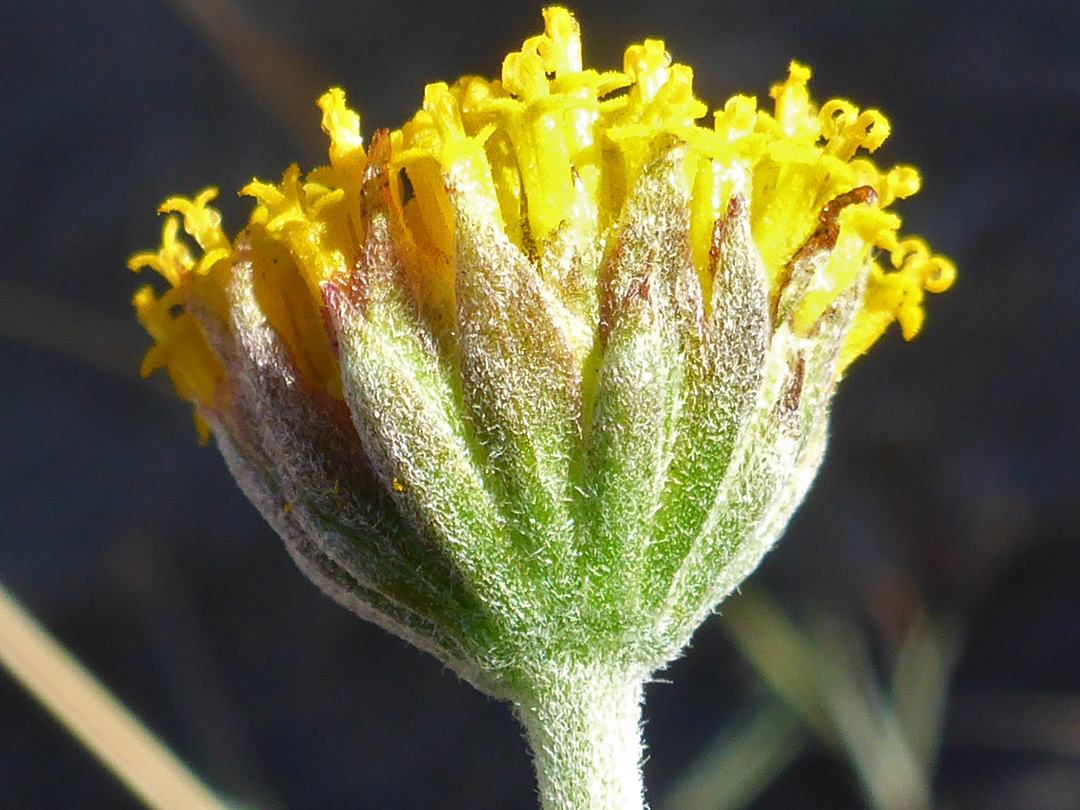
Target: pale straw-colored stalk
{"points": [[94, 716]]}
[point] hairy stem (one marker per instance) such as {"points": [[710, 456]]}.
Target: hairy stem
{"points": [[584, 728]]}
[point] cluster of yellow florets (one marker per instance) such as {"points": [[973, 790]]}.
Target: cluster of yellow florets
{"points": [[547, 141], [179, 344]]}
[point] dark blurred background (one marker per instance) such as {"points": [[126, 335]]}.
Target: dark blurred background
{"points": [[933, 574]]}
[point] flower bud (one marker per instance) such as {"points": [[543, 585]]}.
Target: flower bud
{"points": [[536, 380]]}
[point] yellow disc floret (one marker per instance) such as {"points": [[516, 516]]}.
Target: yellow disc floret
{"points": [[545, 141]]}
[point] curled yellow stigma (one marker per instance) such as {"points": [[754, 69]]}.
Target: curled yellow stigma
{"points": [[547, 142]]}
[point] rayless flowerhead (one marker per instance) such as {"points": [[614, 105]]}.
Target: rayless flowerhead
{"points": [[539, 377]]}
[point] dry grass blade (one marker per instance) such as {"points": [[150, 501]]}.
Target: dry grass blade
{"points": [[826, 677], [920, 684], [266, 67], [782, 655], [95, 717], [865, 720], [41, 320], [741, 763]]}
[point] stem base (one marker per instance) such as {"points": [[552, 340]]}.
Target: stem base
{"points": [[584, 729]]}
